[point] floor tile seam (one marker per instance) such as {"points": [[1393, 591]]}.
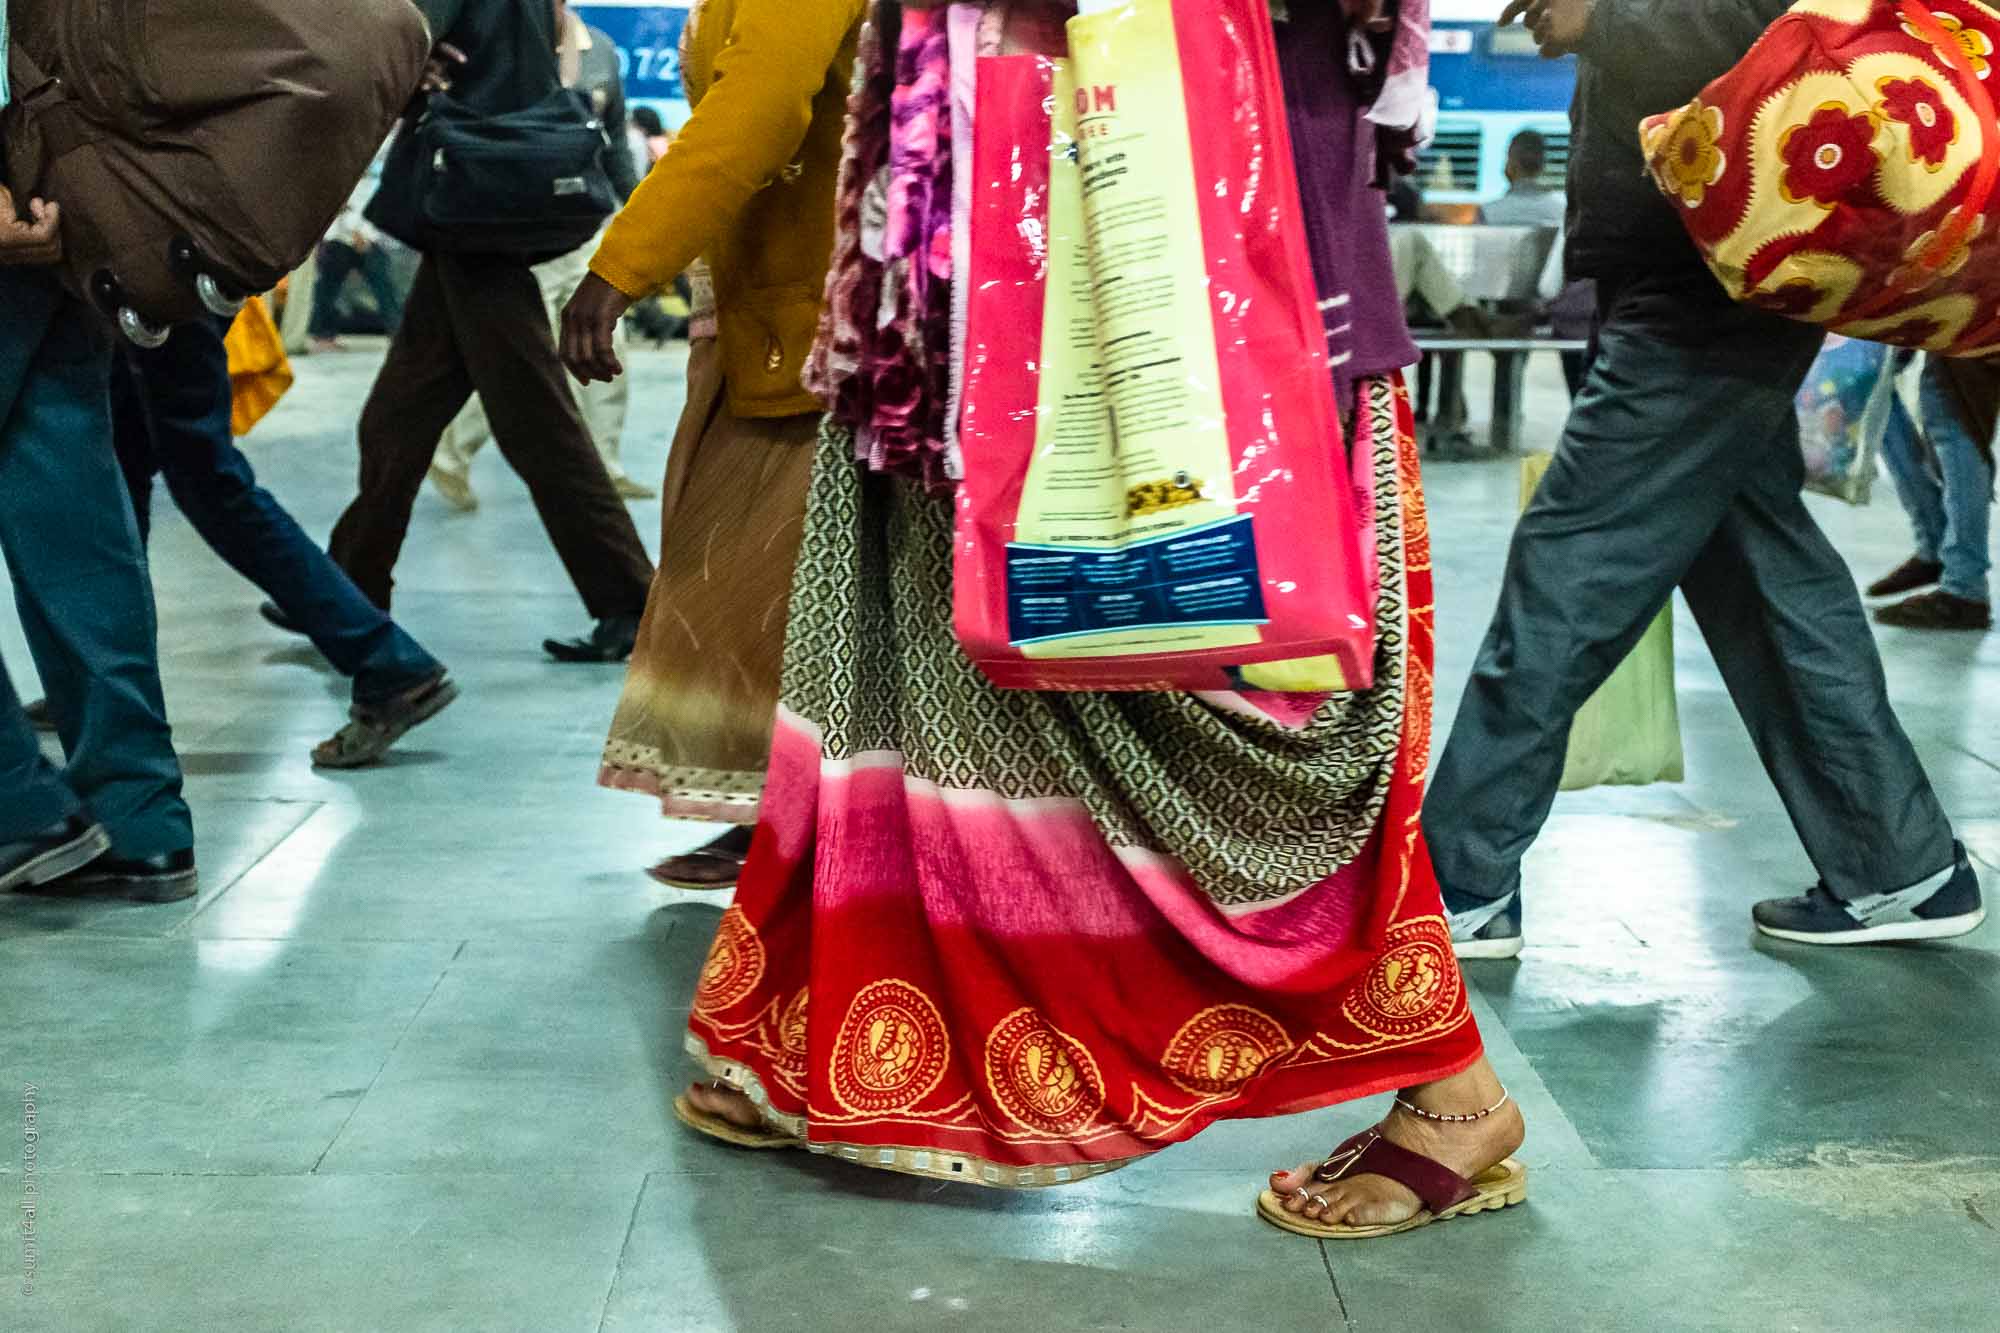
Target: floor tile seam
{"points": [[81, 937], [1538, 1086], [184, 929], [1677, 792], [1971, 754], [624, 1248], [1339, 1296], [387, 1057], [1959, 961]]}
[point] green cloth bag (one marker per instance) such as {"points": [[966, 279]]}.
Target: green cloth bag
{"points": [[1629, 733]]}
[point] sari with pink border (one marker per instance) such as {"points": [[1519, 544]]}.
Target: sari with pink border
{"points": [[1019, 939]]}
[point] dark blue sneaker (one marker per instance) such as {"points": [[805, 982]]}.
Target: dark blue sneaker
{"points": [[1487, 929], [1926, 911]]}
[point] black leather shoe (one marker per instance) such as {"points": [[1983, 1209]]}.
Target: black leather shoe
{"points": [[612, 641], [1937, 609], [54, 852], [166, 878], [1909, 576], [275, 616]]}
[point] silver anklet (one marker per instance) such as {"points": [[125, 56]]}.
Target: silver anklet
{"points": [[1422, 1114]]}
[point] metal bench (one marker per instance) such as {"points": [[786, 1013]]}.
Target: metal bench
{"points": [[1510, 365]]}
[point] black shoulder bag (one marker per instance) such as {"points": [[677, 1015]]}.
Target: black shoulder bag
{"points": [[531, 183]]}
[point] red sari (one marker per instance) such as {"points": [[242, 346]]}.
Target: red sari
{"points": [[1021, 939]]}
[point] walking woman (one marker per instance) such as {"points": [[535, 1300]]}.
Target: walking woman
{"points": [[1018, 939], [747, 185]]}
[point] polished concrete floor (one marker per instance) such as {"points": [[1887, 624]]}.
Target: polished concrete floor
{"points": [[405, 1064]]}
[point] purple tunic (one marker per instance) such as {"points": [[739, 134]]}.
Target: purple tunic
{"points": [[1347, 223]]}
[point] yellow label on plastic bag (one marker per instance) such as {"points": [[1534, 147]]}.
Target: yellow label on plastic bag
{"points": [[1128, 512]]}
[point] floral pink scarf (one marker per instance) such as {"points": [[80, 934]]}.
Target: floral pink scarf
{"points": [[883, 358], [891, 336]]}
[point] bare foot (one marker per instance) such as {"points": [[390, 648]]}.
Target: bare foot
{"points": [[1468, 1149], [727, 1104]]}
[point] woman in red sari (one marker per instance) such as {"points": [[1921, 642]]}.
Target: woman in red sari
{"points": [[1019, 939]]}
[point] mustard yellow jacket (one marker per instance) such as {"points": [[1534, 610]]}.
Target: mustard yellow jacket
{"points": [[749, 183]]}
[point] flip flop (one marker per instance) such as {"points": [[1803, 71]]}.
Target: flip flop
{"points": [[375, 728], [1445, 1193], [728, 1131]]}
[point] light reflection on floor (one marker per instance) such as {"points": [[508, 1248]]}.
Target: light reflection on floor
{"points": [[405, 1064]]}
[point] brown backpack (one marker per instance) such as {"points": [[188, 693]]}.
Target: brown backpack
{"points": [[199, 149]]}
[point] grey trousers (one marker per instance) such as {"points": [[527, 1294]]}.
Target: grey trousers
{"points": [[1680, 466]]}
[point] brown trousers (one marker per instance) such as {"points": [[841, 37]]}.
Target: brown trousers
{"points": [[477, 325]]}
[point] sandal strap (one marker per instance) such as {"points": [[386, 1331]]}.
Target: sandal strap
{"points": [[382, 715], [359, 736], [1369, 1154]]}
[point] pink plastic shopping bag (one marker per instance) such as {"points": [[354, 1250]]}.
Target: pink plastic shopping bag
{"points": [[1155, 492]]}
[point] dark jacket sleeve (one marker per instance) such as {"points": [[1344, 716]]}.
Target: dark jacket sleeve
{"points": [[442, 14], [617, 120], [1665, 51]]}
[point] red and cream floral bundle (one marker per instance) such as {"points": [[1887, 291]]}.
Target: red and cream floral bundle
{"points": [[1844, 172]]}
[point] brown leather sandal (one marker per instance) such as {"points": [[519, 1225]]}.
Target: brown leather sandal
{"points": [[1444, 1193], [372, 729], [714, 867]]}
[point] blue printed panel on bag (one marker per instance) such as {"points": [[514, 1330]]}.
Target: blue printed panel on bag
{"points": [[1205, 577]]}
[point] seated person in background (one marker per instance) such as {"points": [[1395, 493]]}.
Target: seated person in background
{"points": [[1529, 202]]}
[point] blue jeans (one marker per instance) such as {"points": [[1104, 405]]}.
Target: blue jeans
{"points": [[171, 409], [81, 586], [1949, 504]]}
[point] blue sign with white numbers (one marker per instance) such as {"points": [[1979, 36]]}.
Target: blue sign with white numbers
{"points": [[649, 46]]}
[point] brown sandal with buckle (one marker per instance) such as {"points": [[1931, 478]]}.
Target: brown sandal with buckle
{"points": [[373, 729], [728, 1131], [1444, 1193]]}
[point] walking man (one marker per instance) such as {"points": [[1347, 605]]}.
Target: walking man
{"points": [[589, 60], [476, 324], [1681, 466], [112, 821], [170, 409], [1947, 491]]}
